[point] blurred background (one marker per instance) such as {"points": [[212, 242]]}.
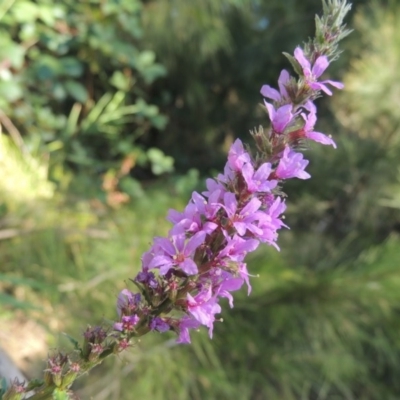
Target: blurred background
{"points": [[114, 111]]}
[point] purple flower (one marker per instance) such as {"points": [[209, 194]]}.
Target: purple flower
{"points": [[228, 284], [127, 302], [158, 324], [258, 181], [310, 121], [237, 155], [244, 274], [271, 93], [236, 248], [203, 307], [212, 186], [144, 276], [207, 208], [270, 222], [281, 117], [192, 219], [186, 323], [228, 175], [177, 252], [292, 165], [147, 278], [311, 74], [242, 220], [148, 256], [127, 323]]}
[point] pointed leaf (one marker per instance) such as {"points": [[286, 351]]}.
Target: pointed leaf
{"points": [[74, 342], [295, 64]]}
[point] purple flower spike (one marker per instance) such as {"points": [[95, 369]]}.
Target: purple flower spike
{"points": [[312, 74], [292, 165], [202, 260]]}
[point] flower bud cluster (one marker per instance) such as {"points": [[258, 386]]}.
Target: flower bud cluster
{"points": [[184, 275], [61, 371]]}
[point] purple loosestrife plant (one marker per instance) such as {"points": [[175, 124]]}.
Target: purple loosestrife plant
{"points": [[184, 275], [202, 259]]}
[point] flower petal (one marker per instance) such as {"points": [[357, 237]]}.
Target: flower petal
{"points": [[283, 80], [299, 56], [271, 110], [320, 65], [282, 117], [194, 242], [189, 267], [320, 138], [270, 93]]}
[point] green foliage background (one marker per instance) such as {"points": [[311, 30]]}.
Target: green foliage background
{"points": [[87, 87]]}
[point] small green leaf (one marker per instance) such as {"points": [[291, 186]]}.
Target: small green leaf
{"points": [[10, 91], [47, 67], [74, 342], [160, 163], [295, 64], [131, 187], [120, 81], [77, 91], [159, 121], [47, 14], [25, 11]]}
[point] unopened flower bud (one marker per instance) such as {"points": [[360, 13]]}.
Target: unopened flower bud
{"points": [[71, 375], [15, 391], [172, 291], [97, 349], [68, 379], [262, 141], [123, 344]]}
